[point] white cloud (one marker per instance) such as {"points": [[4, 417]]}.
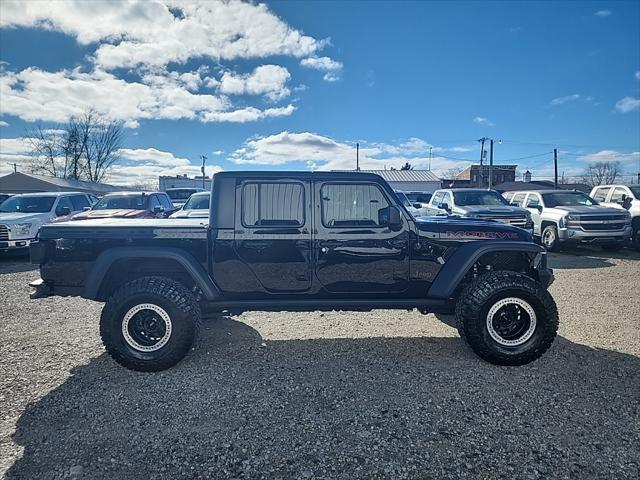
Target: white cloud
{"points": [[149, 32], [217, 152], [248, 114], [324, 153], [3, 123], [483, 121], [321, 63], [628, 104], [565, 99], [629, 159], [331, 77], [603, 13], [269, 80], [14, 150], [153, 156]]}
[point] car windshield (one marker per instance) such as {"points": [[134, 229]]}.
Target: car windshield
{"points": [[197, 202], [116, 202], [402, 197], [419, 197], [636, 191], [27, 204], [567, 199], [181, 193], [479, 198]]}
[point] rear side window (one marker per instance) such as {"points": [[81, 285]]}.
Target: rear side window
{"points": [[63, 202], [437, 198], [353, 205], [274, 204], [601, 194], [518, 198], [617, 195], [533, 201], [155, 202], [79, 202]]}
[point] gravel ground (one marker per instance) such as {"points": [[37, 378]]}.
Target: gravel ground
{"points": [[387, 394]]}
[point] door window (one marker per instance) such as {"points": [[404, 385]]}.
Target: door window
{"points": [[616, 197], [62, 203], [533, 201], [518, 198], [79, 202], [166, 203], [155, 202], [273, 204], [437, 198], [353, 205], [601, 194], [447, 199]]}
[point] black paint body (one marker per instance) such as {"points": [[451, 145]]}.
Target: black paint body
{"points": [[304, 265]]}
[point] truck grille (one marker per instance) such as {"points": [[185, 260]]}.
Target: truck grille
{"points": [[515, 221], [597, 223], [4, 232]]}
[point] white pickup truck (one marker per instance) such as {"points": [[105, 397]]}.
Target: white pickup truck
{"points": [[21, 216], [626, 197]]}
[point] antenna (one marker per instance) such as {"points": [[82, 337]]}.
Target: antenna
{"points": [[357, 156]]}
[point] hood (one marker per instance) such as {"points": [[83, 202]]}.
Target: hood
{"points": [[118, 213], [498, 210], [19, 217], [453, 228], [196, 213], [589, 209]]}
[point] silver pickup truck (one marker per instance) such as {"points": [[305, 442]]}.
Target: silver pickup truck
{"points": [[571, 217], [626, 197]]}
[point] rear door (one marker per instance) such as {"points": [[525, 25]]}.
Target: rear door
{"points": [[273, 233], [356, 252]]}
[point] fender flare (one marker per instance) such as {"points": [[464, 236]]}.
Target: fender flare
{"points": [[187, 261], [457, 266]]}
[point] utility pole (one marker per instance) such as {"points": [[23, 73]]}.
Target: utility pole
{"points": [[555, 168], [15, 167], [430, 158], [357, 157], [491, 164], [204, 159], [482, 140]]}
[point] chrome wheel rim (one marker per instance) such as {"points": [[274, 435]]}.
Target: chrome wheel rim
{"points": [[548, 238], [511, 321], [146, 327]]}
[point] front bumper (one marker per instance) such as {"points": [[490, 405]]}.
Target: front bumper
{"points": [[10, 245], [579, 235]]}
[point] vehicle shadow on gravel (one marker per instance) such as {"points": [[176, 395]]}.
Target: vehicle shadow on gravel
{"points": [[243, 407], [14, 264]]}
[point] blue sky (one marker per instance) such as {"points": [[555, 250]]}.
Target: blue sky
{"points": [[294, 85]]}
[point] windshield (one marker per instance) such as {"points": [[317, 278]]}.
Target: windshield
{"points": [[479, 198], [636, 191], [27, 204], [567, 199], [116, 202], [418, 197], [181, 193], [197, 202], [403, 199]]}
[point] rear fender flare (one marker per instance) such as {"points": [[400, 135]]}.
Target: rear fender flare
{"points": [[457, 266], [187, 261]]}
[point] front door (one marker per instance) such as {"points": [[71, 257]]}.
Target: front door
{"points": [[273, 234], [533, 204], [356, 252]]}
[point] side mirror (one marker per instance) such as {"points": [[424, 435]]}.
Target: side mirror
{"points": [[64, 211], [626, 202], [514, 204], [539, 207], [86, 209], [395, 217], [417, 205], [445, 206], [158, 209]]}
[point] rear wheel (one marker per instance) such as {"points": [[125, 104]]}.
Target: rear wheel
{"points": [[549, 238], [150, 323], [507, 318]]}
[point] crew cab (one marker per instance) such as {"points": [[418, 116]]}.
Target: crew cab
{"points": [[626, 197], [299, 241], [478, 203], [22, 215], [562, 217]]}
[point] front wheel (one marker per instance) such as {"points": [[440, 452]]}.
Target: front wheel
{"points": [[550, 238], [150, 323], [507, 318]]}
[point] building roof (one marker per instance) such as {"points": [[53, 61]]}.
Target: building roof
{"points": [[405, 175], [19, 182]]}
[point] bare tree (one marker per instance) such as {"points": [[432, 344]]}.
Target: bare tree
{"points": [[85, 148], [452, 172], [406, 166], [603, 173]]}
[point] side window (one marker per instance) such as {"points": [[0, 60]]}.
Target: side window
{"points": [[518, 198], [533, 201], [79, 202], [273, 204], [601, 194], [447, 199], [154, 202], [353, 205], [62, 203], [617, 195], [166, 203], [437, 198], [93, 199], [507, 196]]}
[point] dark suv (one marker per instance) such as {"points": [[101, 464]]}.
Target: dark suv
{"points": [[300, 241]]}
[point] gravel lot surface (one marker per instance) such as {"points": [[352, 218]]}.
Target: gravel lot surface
{"points": [[387, 394]]}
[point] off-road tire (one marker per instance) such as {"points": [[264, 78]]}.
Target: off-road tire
{"points": [[486, 290], [550, 230], [171, 296]]}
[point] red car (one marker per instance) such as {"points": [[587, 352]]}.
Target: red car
{"points": [[130, 205]]}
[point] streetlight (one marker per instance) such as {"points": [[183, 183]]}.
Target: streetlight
{"points": [[491, 140]]}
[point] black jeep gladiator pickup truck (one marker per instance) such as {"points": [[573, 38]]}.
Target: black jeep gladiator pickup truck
{"points": [[299, 241]]}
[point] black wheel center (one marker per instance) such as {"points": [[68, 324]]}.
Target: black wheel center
{"points": [[147, 328], [511, 322]]}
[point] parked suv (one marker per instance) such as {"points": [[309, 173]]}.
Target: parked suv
{"points": [[22, 215], [479, 203], [625, 197], [129, 205], [572, 217]]}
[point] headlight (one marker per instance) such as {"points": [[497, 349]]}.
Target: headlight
{"points": [[21, 229], [563, 221], [573, 218]]}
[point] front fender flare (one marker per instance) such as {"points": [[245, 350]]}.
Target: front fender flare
{"points": [[187, 261], [457, 266]]}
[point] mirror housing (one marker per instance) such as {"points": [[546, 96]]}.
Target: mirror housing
{"points": [[158, 209], [395, 218], [539, 207], [626, 202], [86, 209], [417, 205], [64, 211], [445, 206]]}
